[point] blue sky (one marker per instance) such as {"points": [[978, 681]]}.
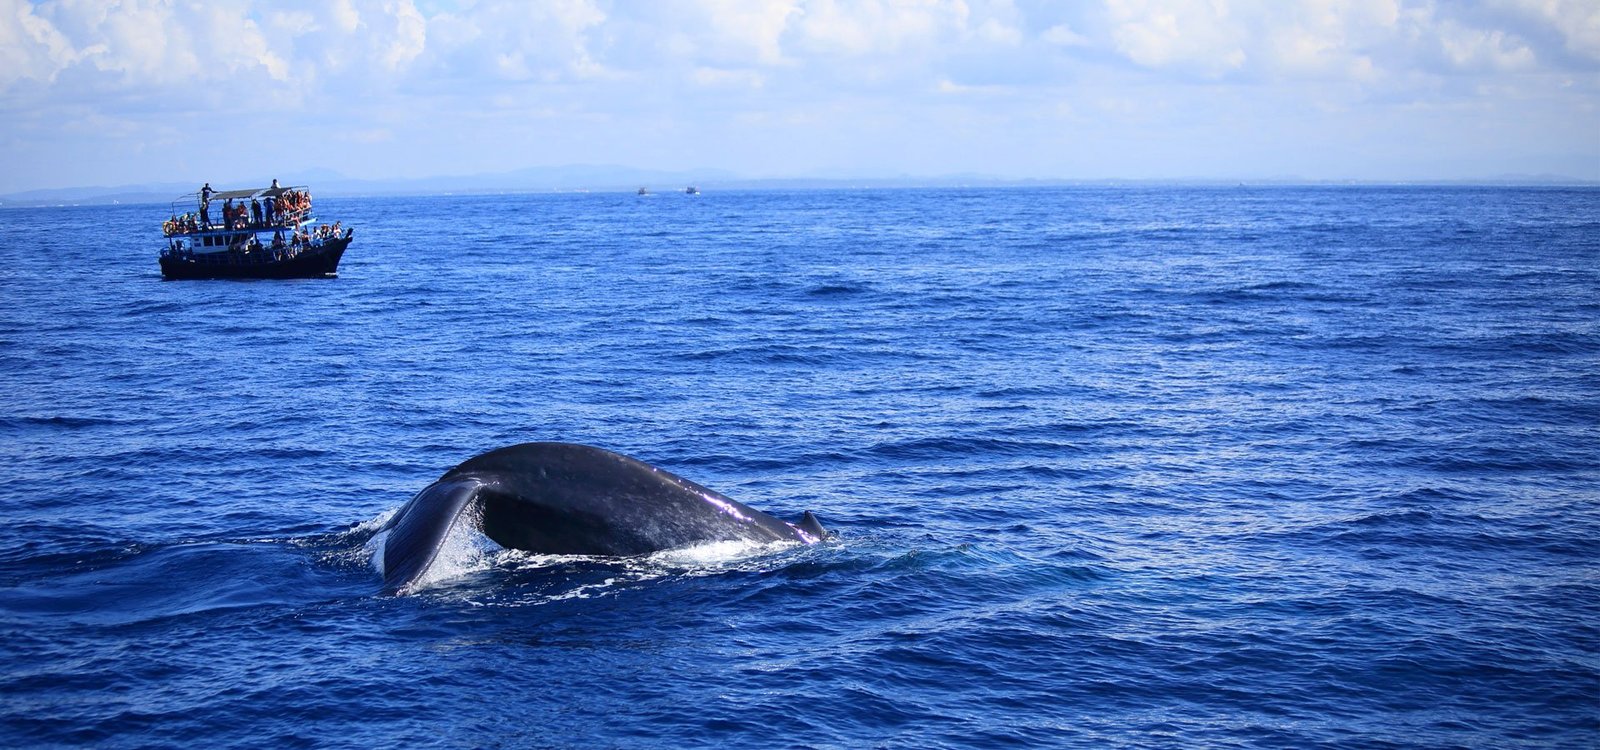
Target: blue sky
{"points": [[99, 92]]}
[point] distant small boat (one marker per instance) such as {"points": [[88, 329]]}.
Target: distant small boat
{"points": [[200, 248], [692, 190], [644, 191]]}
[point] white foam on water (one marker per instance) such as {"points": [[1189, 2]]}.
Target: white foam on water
{"points": [[373, 549], [463, 552], [587, 591], [714, 555], [374, 523], [466, 551]]}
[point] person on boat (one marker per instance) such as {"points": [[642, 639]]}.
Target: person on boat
{"points": [[205, 204], [255, 212], [267, 209], [275, 184]]}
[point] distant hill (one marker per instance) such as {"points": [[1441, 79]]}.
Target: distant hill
{"points": [[327, 182], [606, 178], [154, 193]]}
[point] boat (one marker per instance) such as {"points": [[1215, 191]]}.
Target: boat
{"points": [[691, 190], [263, 233], [644, 191]]}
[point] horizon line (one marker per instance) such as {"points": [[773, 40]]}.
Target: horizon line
{"points": [[358, 187]]}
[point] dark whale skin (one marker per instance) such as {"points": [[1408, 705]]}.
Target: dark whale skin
{"points": [[566, 499]]}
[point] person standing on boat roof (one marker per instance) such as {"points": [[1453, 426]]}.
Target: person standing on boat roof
{"points": [[275, 184], [205, 204]]}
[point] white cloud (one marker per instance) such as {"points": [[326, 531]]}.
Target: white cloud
{"points": [[719, 78], [135, 45], [372, 44], [1062, 35], [509, 40], [1469, 48], [995, 31], [1365, 41], [346, 18], [31, 48], [408, 38], [877, 27], [1199, 35], [1577, 21], [543, 70], [739, 29]]}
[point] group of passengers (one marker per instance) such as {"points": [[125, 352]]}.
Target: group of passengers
{"points": [[273, 212], [184, 224], [284, 210], [303, 239], [177, 249], [292, 203]]}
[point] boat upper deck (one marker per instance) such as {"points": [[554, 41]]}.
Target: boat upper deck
{"points": [[258, 209]]}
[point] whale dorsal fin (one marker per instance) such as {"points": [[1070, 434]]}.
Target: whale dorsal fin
{"points": [[416, 532], [810, 525]]}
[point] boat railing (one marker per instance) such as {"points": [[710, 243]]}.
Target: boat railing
{"points": [[245, 254], [192, 214], [180, 226]]}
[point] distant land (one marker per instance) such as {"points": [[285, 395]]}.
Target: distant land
{"points": [[605, 178]]}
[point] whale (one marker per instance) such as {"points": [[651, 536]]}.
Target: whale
{"points": [[568, 499]]}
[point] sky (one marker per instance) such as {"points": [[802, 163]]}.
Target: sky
{"points": [[107, 92]]}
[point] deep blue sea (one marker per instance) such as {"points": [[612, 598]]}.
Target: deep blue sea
{"points": [[1164, 467]]}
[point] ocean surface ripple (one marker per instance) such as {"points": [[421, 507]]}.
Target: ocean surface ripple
{"points": [[1284, 467]]}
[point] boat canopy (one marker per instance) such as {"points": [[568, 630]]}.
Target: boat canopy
{"points": [[190, 211], [184, 202], [266, 192]]}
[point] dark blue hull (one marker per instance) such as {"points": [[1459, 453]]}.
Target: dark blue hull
{"points": [[315, 263]]}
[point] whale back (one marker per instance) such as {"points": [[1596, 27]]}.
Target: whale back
{"points": [[560, 498]]}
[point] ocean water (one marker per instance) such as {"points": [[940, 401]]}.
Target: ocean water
{"points": [[1280, 467]]}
